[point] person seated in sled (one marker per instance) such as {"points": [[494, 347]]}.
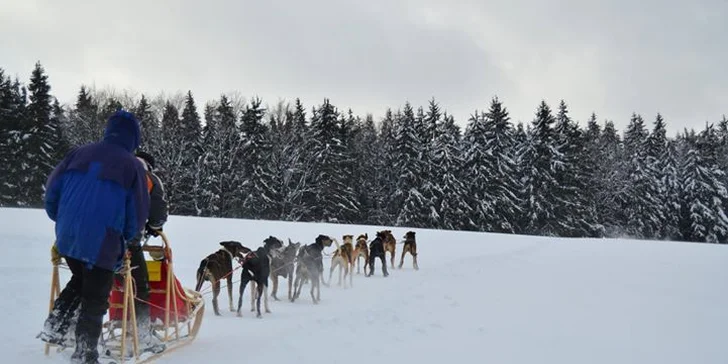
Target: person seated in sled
{"points": [[155, 221]]}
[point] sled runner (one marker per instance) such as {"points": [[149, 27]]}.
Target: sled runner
{"points": [[176, 312]]}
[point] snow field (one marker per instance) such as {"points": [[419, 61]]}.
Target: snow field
{"points": [[476, 298]]}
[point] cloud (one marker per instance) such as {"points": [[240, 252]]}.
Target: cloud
{"points": [[611, 57]]}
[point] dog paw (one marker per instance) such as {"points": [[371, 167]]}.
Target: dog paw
{"points": [[259, 316], [240, 314]]}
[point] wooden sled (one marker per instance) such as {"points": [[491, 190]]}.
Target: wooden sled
{"points": [[176, 312]]}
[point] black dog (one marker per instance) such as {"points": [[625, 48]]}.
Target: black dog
{"points": [[376, 250], [311, 266], [256, 268], [218, 265]]}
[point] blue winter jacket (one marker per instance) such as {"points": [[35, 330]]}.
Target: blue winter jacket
{"points": [[97, 196]]}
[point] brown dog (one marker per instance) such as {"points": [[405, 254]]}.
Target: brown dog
{"points": [[361, 251], [390, 244], [410, 246], [343, 258], [218, 266]]}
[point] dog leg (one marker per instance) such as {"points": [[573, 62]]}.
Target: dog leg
{"points": [[341, 272], [290, 285], [253, 295], [351, 275], [334, 263], [260, 293], [314, 286], [275, 287], [267, 309], [230, 291], [243, 282], [384, 265], [295, 287], [414, 260], [401, 260], [215, 293]]}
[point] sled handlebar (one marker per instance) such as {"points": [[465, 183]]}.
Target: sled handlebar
{"points": [[164, 248]]}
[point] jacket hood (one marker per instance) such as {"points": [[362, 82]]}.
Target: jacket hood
{"points": [[123, 129]]}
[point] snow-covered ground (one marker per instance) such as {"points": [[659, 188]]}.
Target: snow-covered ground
{"points": [[477, 298]]}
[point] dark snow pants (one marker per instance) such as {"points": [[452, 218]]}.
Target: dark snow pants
{"points": [[141, 279], [88, 290]]}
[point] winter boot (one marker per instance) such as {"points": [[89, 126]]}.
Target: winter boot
{"points": [[59, 327], [88, 332], [148, 342]]}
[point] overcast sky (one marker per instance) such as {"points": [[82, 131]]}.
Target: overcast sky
{"points": [[612, 57]]}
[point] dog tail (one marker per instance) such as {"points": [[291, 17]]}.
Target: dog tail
{"points": [[201, 274]]}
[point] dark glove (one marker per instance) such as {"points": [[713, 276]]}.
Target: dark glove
{"points": [[152, 231]]}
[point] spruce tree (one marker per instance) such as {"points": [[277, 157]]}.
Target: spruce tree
{"points": [[450, 208], [411, 206], [542, 162], [260, 196], [9, 140], [639, 197], [188, 140], [38, 131]]}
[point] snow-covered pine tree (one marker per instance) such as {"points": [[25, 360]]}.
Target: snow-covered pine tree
{"points": [[542, 161], [702, 216], [609, 179], [260, 195], [709, 146], [364, 180], [220, 195], [450, 201], [577, 218], [331, 197], [521, 143], [149, 125], [12, 110], [504, 184], [414, 206], [169, 150], [662, 170], [491, 170], [477, 170], [590, 161], [385, 177], [84, 124], [59, 139], [293, 161], [349, 208], [188, 143], [672, 190], [35, 146], [640, 197]]}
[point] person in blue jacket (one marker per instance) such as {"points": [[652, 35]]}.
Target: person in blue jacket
{"points": [[97, 196]]}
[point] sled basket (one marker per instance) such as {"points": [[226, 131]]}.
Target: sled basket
{"points": [[176, 312]]}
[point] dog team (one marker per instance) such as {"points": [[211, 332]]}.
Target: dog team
{"points": [[297, 264]]}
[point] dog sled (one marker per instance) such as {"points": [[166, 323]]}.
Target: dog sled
{"points": [[176, 312]]}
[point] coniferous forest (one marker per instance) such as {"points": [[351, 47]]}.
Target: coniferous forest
{"points": [[411, 167]]}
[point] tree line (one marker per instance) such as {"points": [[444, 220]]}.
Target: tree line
{"points": [[413, 167]]}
